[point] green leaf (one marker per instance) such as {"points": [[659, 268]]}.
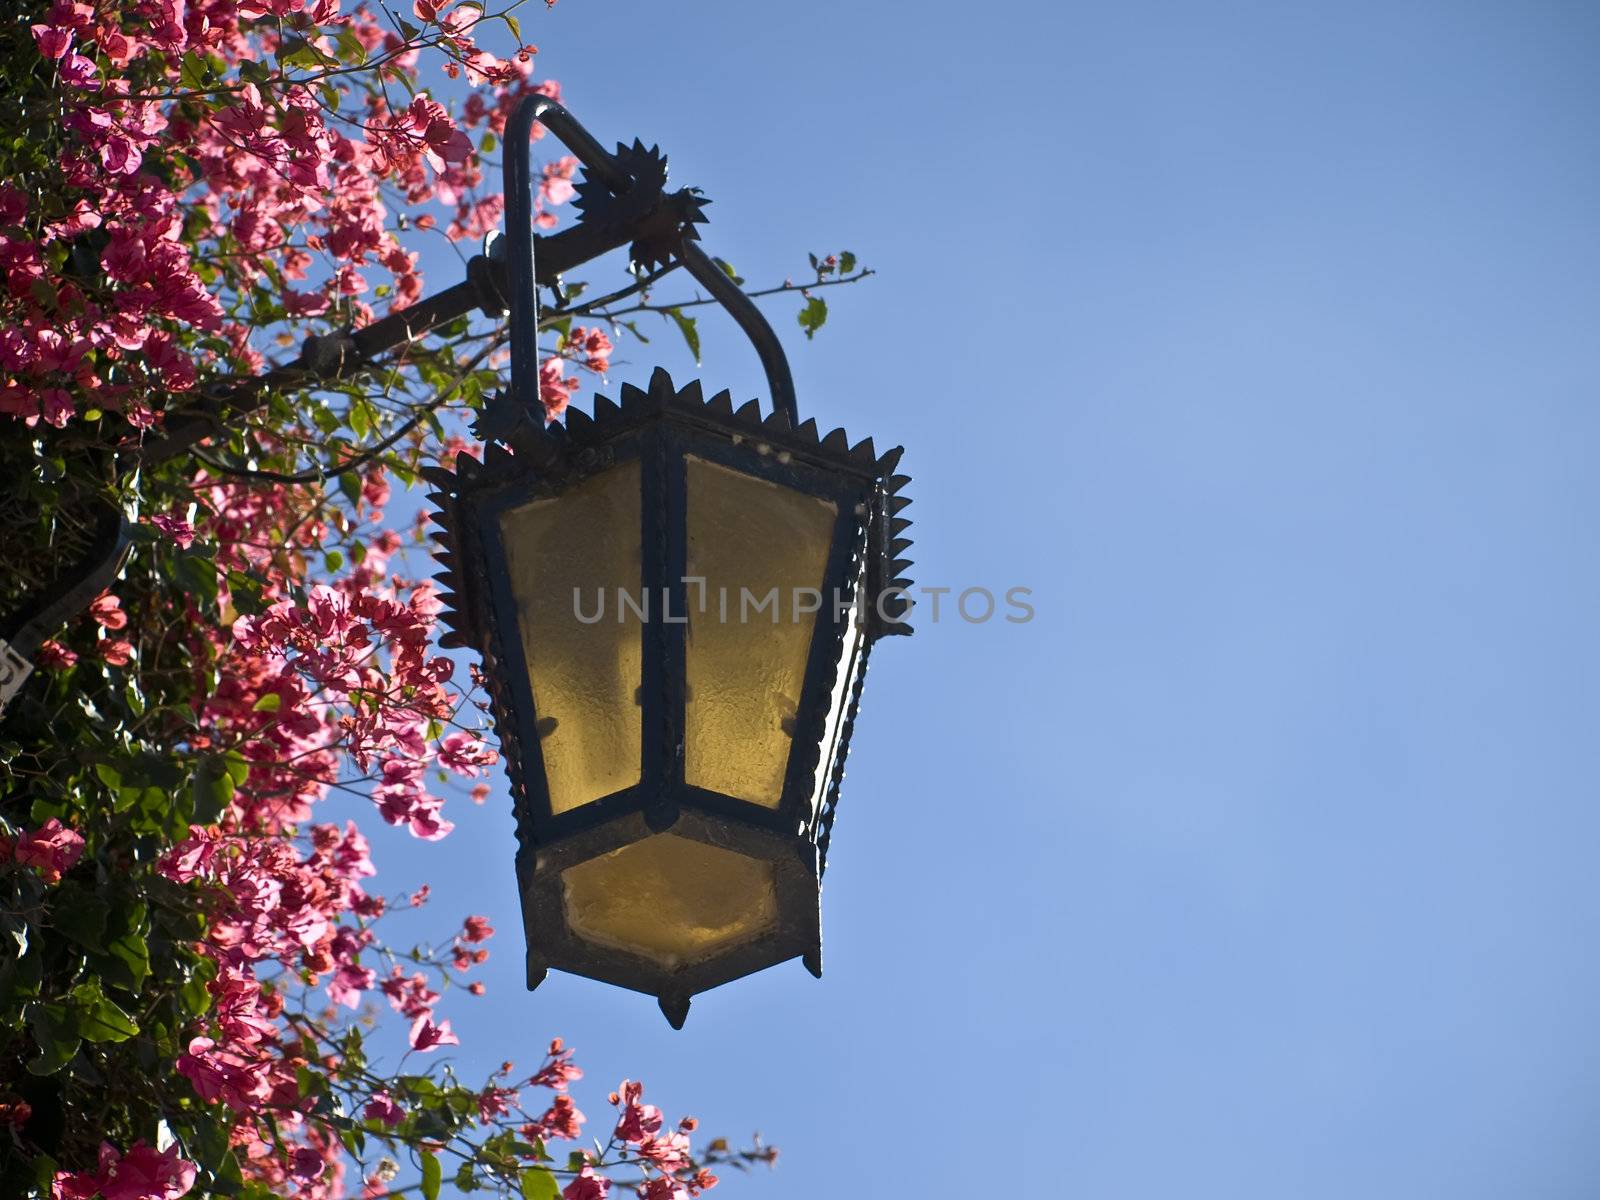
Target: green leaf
{"points": [[539, 1184], [324, 418], [514, 25], [297, 52], [56, 1034], [213, 787], [193, 996], [81, 916], [727, 269], [126, 962], [350, 485], [359, 418], [355, 1140], [847, 262], [16, 933], [195, 571], [350, 47], [691, 335], [99, 1019], [245, 591], [269, 703], [432, 1176], [813, 315], [44, 1173], [195, 73], [227, 1178], [20, 980]]}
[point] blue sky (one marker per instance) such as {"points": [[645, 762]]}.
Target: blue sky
{"points": [[1259, 340]]}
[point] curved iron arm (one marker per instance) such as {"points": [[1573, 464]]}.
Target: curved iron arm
{"points": [[523, 275], [75, 587], [27, 628], [743, 310]]}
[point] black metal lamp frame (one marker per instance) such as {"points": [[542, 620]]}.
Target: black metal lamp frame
{"points": [[659, 427]]}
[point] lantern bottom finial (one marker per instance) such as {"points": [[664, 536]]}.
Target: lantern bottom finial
{"points": [[675, 1009]]}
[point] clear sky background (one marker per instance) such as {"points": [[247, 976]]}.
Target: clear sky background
{"points": [[1262, 342]]}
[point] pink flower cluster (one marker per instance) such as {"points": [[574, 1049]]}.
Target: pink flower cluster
{"points": [[52, 849], [639, 1126], [143, 1173], [281, 178]]}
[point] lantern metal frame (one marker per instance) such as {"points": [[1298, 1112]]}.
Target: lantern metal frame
{"points": [[662, 427]]}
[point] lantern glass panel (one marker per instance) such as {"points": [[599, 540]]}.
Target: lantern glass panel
{"points": [[757, 546], [580, 552], [670, 899]]}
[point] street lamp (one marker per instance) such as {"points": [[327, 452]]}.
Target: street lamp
{"points": [[674, 602]]}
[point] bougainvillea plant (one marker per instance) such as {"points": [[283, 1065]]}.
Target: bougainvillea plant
{"points": [[191, 963]]}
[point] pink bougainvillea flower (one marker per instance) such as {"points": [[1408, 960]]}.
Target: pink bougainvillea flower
{"points": [[558, 1070], [51, 849], [107, 611], [587, 1186], [116, 652], [308, 1163], [144, 1173], [561, 1120], [383, 1108], [555, 184], [638, 1122], [556, 389], [52, 41], [53, 656], [179, 531], [663, 1188], [425, 1035], [465, 754], [594, 345]]}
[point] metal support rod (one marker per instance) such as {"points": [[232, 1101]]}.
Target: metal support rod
{"points": [[743, 310], [524, 292], [523, 272]]}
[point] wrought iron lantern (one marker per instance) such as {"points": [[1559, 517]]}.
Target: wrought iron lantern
{"points": [[674, 601]]}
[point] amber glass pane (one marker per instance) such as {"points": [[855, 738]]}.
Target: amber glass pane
{"points": [[569, 556], [670, 899], [752, 542]]}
